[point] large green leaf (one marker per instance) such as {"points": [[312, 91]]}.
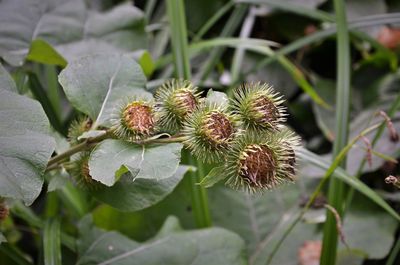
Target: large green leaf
{"points": [[69, 27], [26, 145], [22, 21], [171, 247], [261, 220], [112, 158], [145, 223], [98, 84], [128, 195], [363, 216]]}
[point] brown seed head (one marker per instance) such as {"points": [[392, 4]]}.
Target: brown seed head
{"points": [[257, 165], [139, 118], [266, 109], [218, 128], [185, 102]]}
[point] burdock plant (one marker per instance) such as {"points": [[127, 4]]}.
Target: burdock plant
{"points": [[209, 132], [261, 161], [134, 120], [258, 106], [175, 100], [78, 168]]}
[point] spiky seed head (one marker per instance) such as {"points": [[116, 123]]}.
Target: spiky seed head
{"points": [[78, 168], [261, 161], [78, 127], [258, 106], [209, 131], [175, 100], [4, 211], [134, 120]]}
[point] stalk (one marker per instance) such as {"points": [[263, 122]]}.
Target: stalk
{"points": [[176, 17], [336, 187]]}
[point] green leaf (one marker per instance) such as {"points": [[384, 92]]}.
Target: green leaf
{"points": [[128, 195], [42, 52], [143, 57], [365, 216], [69, 28], [26, 146], [213, 177], [98, 84], [212, 246], [142, 161], [52, 242]]}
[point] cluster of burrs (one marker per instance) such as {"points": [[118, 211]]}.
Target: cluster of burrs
{"points": [[246, 137]]}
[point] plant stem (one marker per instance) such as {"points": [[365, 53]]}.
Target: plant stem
{"points": [[176, 17], [77, 148], [336, 187], [90, 142]]}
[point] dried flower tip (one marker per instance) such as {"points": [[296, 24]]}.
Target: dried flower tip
{"points": [[262, 161], [393, 180], [134, 121], [257, 165], [258, 106], [175, 100], [79, 170], [339, 226], [369, 150], [4, 211], [209, 132], [78, 127], [218, 128], [394, 136]]}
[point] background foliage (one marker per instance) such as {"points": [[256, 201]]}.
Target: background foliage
{"points": [[336, 63]]}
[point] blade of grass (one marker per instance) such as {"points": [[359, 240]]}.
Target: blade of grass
{"points": [[259, 46], [336, 187], [51, 242], [319, 15], [14, 254], [291, 7], [176, 17], [74, 200], [52, 203], [211, 22], [149, 8], [229, 29], [26, 214], [394, 253], [322, 34], [240, 51]]}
